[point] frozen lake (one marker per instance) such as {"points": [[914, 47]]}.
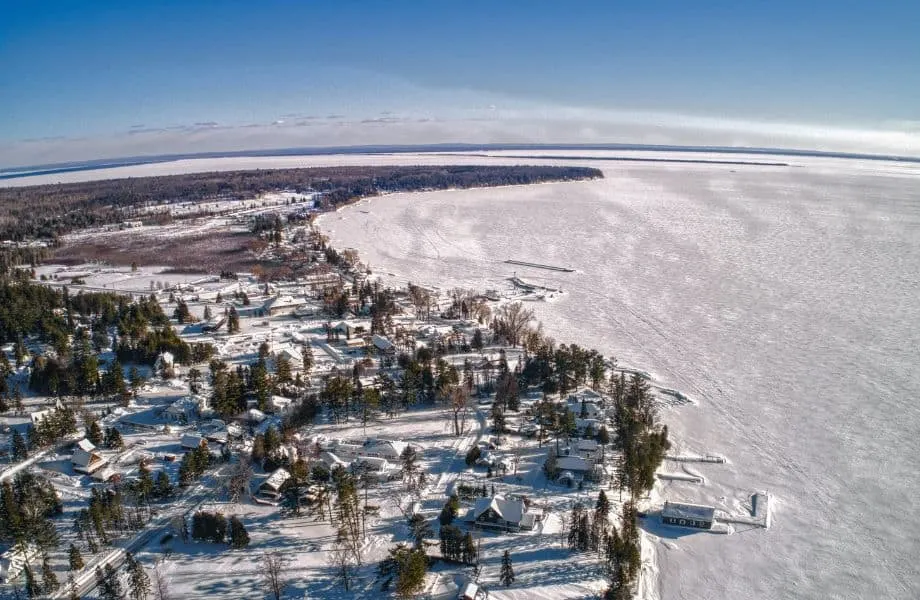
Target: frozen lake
{"points": [[784, 300]]}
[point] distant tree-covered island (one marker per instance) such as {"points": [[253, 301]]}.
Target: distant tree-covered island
{"points": [[49, 211]]}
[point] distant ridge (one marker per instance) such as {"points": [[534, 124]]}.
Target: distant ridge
{"points": [[108, 163]]}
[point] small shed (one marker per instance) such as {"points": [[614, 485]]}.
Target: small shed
{"points": [[698, 516]]}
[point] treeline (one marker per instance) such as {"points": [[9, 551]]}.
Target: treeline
{"points": [[26, 508], [48, 211], [79, 327]]}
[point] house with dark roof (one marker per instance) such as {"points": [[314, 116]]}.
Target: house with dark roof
{"points": [[498, 512]]}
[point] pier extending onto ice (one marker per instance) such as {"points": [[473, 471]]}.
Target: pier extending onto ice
{"points": [[539, 266]]}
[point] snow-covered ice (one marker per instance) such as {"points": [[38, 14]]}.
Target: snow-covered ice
{"points": [[782, 300]]}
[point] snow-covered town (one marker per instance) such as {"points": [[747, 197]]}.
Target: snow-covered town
{"points": [[323, 435]]}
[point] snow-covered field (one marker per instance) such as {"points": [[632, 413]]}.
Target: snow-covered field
{"points": [[783, 300]]}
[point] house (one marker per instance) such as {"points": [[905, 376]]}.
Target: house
{"points": [[213, 324], [473, 591], [254, 415], [350, 450], [292, 356], [307, 310], [105, 474], [383, 448], [279, 404], [576, 464], [214, 430], [190, 441], [688, 515], [164, 361], [86, 458], [282, 305], [332, 461], [183, 411], [14, 560], [585, 448], [351, 329], [383, 345], [588, 427], [354, 343], [40, 415], [272, 422], [377, 467], [586, 395], [270, 489], [584, 409], [498, 512]]}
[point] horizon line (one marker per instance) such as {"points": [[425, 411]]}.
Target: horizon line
{"points": [[125, 161]]}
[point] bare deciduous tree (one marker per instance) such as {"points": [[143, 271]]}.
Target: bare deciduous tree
{"points": [[272, 565], [421, 301], [237, 480], [459, 406], [342, 561], [512, 321], [160, 583]]}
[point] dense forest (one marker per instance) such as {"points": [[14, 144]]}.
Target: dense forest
{"points": [[47, 211]]}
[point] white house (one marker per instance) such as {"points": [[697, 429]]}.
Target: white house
{"points": [[280, 404], [86, 458], [383, 448]]}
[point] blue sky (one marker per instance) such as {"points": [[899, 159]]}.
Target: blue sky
{"points": [[90, 79]]}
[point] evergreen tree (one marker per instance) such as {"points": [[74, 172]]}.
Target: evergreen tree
{"points": [[94, 433], [420, 529], [75, 558], [162, 487], [507, 572], [412, 571], [49, 579], [139, 582], [306, 353], [469, 554], [20, 451], [233, 321], [239, 537], [410, 468], [113, 439], [283, 370]]}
